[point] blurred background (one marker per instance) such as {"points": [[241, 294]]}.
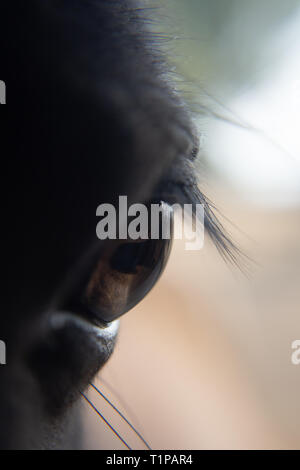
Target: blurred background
{"points": [[204, 362]]}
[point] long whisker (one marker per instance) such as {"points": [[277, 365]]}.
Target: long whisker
{"points": [[122, 416], [120, 399], [105, 421]]}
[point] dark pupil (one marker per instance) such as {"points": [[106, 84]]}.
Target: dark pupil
{"points": [[128, 257]]}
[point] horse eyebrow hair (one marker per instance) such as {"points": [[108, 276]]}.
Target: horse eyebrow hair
{"points": [[180, 186]]}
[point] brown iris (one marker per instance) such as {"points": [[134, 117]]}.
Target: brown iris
{"points": [[124, 276]]}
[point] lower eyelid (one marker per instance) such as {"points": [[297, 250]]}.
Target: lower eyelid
{"points": [[60, 319]]}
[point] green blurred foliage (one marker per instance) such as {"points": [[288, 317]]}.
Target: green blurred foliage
{"points": [[219, 43]]}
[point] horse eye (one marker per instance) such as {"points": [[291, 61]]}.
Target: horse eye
{"points": [[124, 276]]}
